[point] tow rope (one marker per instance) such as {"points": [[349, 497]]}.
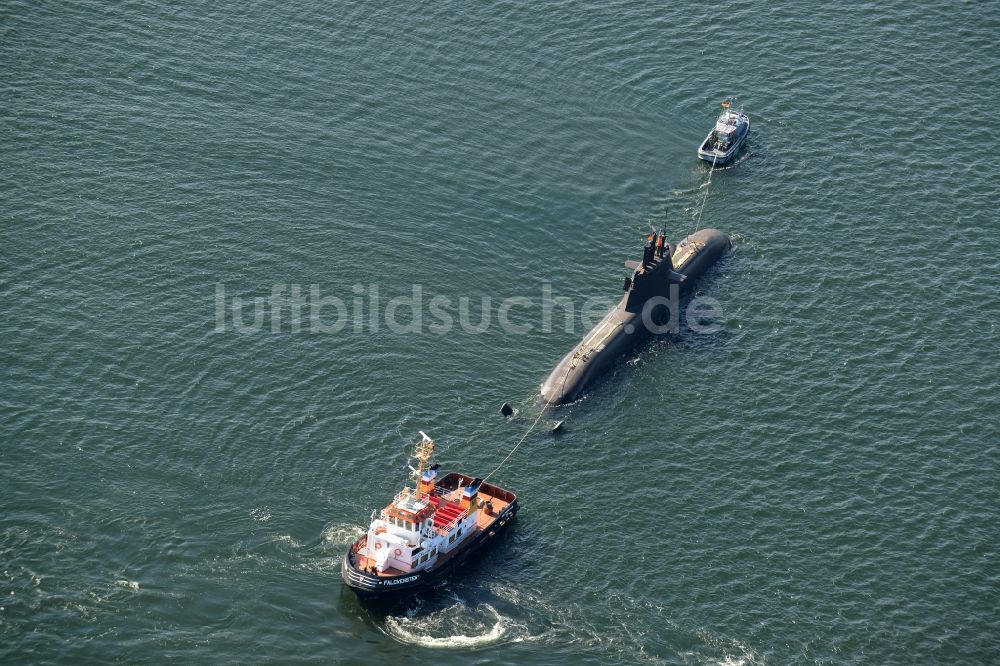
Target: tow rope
{"points": [[530, 428]]}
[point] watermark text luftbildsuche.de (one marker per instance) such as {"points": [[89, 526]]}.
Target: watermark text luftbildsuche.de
{"points": [[294, 308]]}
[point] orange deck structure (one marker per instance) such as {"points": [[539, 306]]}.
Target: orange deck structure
{"points": [[448, 511]]}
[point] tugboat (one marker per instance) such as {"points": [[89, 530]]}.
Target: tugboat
{"points": [[728, 136], [430, 528]]}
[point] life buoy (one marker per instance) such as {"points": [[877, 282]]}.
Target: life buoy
{"points": [[378, 544], [398, 552]]}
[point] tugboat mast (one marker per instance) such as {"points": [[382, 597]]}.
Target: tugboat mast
{"points": [[420, 457]]}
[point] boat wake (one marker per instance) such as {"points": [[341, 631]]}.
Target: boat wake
{"points": [[333, 539], [457, 626], [734, 652], [739, 160], [342, 534]]}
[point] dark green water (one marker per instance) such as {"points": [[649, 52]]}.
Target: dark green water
{"points": [[818, 482]]}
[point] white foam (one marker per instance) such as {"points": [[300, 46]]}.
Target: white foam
{"points": [[289, 539], [342, 534], [128, 584], [736, 652], [322, 564], [733, 661], [420, 631]]}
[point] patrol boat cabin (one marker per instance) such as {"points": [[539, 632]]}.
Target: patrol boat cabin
{"points": [[727, 137]]}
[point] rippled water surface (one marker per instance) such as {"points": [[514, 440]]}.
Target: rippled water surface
{"points": [[816, 482]]}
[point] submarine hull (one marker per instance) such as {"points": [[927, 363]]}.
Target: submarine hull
{"points": [[630, 323]]}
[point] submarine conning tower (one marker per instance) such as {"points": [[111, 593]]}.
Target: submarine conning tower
{"points": [[650, 275], [665, 269]]}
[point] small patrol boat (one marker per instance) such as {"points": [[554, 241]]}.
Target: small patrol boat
{"points": [[727, 137], [431, 527]]}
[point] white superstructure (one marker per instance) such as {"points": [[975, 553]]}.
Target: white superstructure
{"points": [[422, 522]]}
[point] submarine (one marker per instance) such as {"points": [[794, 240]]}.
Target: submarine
{"points": [[666, 272]]}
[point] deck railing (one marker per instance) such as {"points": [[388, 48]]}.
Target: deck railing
{"points": [[455, 521], [409, 493]]}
